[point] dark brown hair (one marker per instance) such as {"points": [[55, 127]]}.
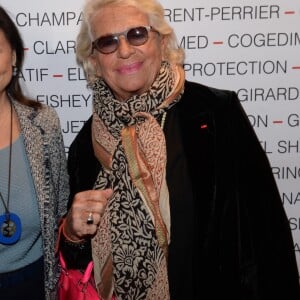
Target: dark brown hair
{"points": [[14, 38]]}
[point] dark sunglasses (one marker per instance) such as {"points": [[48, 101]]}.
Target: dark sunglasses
{"points": [[136, 36]]}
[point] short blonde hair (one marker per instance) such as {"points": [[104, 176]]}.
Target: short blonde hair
{"points": [[155, 12]]}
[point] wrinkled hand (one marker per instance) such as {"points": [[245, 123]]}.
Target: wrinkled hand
{"points": [[85, 203]]}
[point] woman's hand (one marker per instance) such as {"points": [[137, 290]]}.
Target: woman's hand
{"points": [[86, 205]]}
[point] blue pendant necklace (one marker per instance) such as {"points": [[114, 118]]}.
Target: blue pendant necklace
{"points": [[10, 223]]}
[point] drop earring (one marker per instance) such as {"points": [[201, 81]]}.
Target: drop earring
{"points": [[15, 71]]}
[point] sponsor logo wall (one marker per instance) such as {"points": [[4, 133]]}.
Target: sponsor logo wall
{"points": [[252, 47]]}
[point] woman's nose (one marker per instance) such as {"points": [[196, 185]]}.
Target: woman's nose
{"points": [[124, 49]]}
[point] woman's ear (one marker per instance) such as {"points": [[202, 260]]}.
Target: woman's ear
{"points": [[163, 47], [94, 64], [13, 58]]}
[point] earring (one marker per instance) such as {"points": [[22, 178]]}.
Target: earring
{"points": [[15, 71]]}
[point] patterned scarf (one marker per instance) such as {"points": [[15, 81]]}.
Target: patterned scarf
{"points": [[130, 248]]}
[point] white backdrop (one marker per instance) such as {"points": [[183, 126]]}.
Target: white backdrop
{"points": [[251, 47]]}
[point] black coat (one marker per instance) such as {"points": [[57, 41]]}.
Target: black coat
{"points": [[230, 235]]}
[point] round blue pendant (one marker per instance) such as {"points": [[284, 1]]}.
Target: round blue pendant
{"points": [[10, 229]]}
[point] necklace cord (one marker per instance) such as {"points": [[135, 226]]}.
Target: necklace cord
{"points": [[6, 206]]}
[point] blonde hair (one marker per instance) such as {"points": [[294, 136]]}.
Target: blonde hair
{"points": [[155, 12]]}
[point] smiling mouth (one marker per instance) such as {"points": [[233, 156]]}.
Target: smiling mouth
{"points": [[129, 69]]}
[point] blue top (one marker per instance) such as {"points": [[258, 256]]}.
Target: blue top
{"points": [[23, 202]]}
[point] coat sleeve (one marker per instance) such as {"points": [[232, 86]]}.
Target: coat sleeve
{"points": [[83, 169], [266, 250]]}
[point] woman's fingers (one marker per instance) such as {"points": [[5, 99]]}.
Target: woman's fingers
{"points": [[85, 213]]}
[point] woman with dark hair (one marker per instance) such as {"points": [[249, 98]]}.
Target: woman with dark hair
{"points": [[33, 180]]}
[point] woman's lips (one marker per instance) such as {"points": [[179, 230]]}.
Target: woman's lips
{"points": [[129, 69]]}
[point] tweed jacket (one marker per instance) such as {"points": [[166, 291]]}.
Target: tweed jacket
{"points": [[230, 236], [45, 151]]}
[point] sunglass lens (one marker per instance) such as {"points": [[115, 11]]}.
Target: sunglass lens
{"points": [[137, 36], [107, 44]]}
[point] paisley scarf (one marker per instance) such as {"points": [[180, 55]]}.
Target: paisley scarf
{"points": [[130, 247]]}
